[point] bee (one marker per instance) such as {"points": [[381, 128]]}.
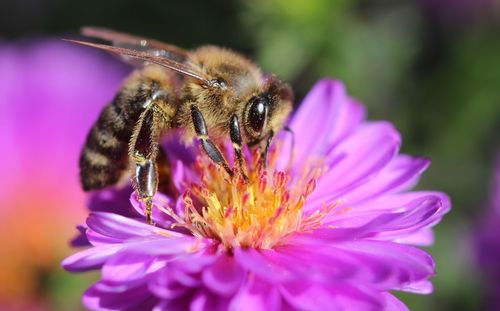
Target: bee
{"points": [[210, 93]]}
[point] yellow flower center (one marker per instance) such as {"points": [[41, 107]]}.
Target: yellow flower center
{"points": [[258, 213]]}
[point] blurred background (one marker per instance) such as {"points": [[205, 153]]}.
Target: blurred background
{"points": [[432, 67]]}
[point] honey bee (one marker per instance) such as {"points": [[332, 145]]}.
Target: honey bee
{"points": [[209, 93]]}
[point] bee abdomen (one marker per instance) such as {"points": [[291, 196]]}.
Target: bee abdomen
{"points": [[104, 158]]}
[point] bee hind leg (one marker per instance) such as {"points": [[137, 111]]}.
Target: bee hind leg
{"points": [[144, 150]]}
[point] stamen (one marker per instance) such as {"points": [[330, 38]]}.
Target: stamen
{"points": [[258, 213]]}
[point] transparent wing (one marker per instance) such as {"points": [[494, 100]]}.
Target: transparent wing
{"points": [[146, 56], [124, 40]]}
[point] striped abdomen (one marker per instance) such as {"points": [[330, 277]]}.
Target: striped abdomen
{"points": [[104, 158]]}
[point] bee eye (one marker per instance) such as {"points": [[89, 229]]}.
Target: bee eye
{"points": [[257, 113]]}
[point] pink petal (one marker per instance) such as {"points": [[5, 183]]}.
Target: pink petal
{"points": [[102, 296], [223, 277], [315, 132], [360, 156], [399, 175], [393, 304], [120, 227], [423, 237], [421, 287], [160, 218], [180, 276], [166, 287], [253, 261], [390, 263], [384, 265], [256, 295], [351, 116], [97, 239], [91, 258], [342, 296], [319, 267], [165, 246], [205, 301], [311, 128], [415, 215], [129, 267]]}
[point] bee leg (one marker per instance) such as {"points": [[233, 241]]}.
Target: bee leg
{"points": [[292, 146], [143, 150], [265, 151], [234, 133], [145, 183], [210, 148]]}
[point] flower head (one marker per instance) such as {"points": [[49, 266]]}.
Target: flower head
{"points": [[327, 226]]}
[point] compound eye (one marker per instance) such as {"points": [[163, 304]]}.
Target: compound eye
{"points": [[257, 114]]}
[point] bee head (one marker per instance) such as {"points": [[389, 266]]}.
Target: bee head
{"points": [[268, 110]]}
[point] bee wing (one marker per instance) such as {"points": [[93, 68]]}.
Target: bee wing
{"points": [[163, 61], [124, 40]]}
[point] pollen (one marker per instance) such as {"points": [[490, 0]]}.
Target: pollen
{"points": [[259, 213]]}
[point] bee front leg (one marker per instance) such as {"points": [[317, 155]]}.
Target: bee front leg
{"points": [[210, 148], [143, 150], [234, 133], [265, 151]]}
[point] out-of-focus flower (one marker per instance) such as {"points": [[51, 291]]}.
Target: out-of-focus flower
{"points": [[487, 243], [50, 92], [332, 227]]}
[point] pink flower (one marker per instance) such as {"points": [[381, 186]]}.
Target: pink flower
{"points": [[50, 93], [333, 227]]}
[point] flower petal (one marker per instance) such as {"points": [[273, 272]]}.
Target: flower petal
{"points": [[91, 258], [223, 277], [129, 267], [314, 132], [253, 261], [342, 296], [205, 301], [166, 246], [393, 304], [160, 218], [311, 128], [391, 263], [423, 237], [399, 175], [256, 295], [423, 287], [411, 217], [81, 238], [102, 296], [120, 227], [384, 265], [357, 158], [166, 287], [115, 200]]}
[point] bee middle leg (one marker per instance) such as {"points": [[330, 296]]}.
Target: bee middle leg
{"points": [[144, 149], [210, 148]]}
